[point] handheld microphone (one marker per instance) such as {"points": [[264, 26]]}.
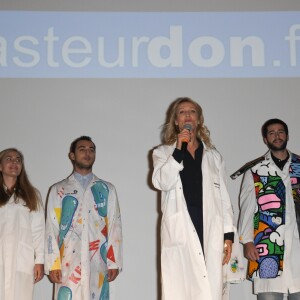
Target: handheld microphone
{"points": [[185, 142]]}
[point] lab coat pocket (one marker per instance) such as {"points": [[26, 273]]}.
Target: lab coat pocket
{"points": [[173, 230], [25, 258]]}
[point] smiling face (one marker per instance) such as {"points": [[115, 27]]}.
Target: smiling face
{"points": [[11, 165], [84, 156], [276, 138], [186, 113]]}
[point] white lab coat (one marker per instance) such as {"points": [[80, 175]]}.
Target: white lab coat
{"points": [[186, 274], [21, 247], [83, 238]]}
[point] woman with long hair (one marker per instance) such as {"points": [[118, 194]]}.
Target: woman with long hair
{"points": [[22, 228], [197, 224]]}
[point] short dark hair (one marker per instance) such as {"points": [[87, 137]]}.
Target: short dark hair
{"points": [[81, 138], [264, 129]]}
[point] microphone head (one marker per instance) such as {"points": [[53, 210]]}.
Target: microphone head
{"points": [[187, 126]]}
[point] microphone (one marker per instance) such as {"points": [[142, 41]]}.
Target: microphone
{"points": [[185, 142]]}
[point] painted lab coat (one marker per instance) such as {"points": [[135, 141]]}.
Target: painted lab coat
{"points": [[83, 238], [290, 277], [21, 247], [186, 274]]}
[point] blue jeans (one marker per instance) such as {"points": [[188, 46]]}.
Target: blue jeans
{"points": [[277, 296]]}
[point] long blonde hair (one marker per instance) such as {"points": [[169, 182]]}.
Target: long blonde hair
{"points": [[23, 190], [170, 130]]}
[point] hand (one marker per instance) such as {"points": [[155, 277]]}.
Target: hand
{"points": [[250, 251], [38, 272], [183, 136], [55, 276], [227, 251], [112, 274]]}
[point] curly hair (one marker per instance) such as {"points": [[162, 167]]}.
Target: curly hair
{"points": [[23, 190], [170, 129]]}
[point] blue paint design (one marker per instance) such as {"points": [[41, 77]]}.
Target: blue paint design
{"points": [[64, 293], [69, 206], [100, 192], [103, 252], [105, 290], [269, 267]]}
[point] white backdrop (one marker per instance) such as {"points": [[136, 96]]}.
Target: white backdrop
{"points": [[41, 117]]}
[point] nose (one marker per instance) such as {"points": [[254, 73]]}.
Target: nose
{"points": [[88, 151], [276, 133]]}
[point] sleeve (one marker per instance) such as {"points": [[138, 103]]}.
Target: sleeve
{"points": [[52, 254], [115, 238], [247, 209], [226, 202], [229, 236], [178, 155], [38, 232], [166, 169]]}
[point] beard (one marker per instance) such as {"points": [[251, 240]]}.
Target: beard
{"points": [[83, 166], [277, 148]]}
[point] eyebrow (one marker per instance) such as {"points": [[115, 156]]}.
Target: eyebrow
{"points": [[276, 130], [91, 147]]}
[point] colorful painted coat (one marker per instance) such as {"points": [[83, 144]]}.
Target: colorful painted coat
{"points": [[83, 238], [21, 247], [268, 220], [186, 274]]}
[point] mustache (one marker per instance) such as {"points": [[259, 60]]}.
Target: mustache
{"points": [[278, 140]]}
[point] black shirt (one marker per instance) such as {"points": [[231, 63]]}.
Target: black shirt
{"points": [[278, 162], [191, 178]]}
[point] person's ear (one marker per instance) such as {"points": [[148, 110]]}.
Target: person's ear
{"points": [[265, 141], [72, 156]]}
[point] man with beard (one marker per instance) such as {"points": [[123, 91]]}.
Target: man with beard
{"points": [[269, 211], [83, 230]]}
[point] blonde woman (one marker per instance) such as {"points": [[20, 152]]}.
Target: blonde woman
{"points": [[22, 229], [197, 223]]}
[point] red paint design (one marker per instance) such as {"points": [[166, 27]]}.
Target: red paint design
{"points": [[76, 277], [110, 254]]}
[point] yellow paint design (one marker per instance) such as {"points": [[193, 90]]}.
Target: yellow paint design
{"points": [[56, 265], [57, 211], [61, 250], [259, 184], [101, 279]]}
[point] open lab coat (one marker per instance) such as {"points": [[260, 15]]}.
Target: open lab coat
{"points": [[186, 274], [21, 247], [83, 238]]}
